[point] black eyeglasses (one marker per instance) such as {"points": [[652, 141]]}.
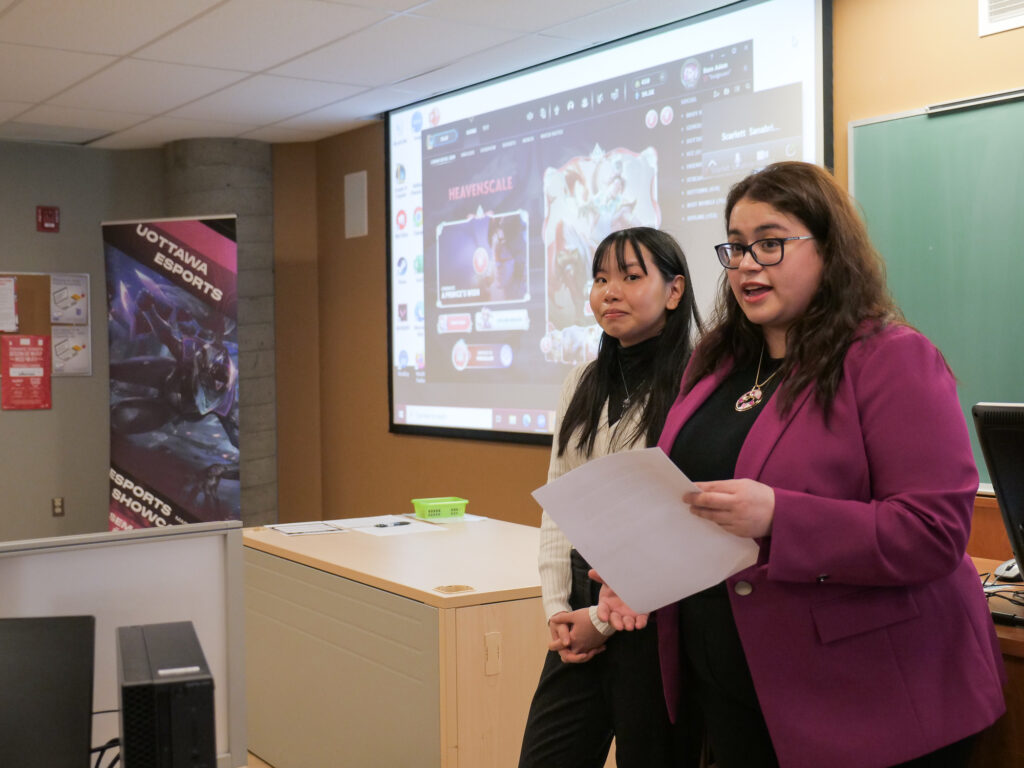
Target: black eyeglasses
{"points": [[767, 252]]}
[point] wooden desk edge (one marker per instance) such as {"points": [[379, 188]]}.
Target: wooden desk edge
{"points": [[428, 597]]}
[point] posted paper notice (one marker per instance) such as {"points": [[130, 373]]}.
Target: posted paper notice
{"points": [[25, 372], [8, 304]]}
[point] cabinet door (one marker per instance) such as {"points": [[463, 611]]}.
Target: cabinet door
{"points": [[501, 648], [338, 673]]}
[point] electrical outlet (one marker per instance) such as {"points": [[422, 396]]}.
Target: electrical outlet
{"points": [[58, 506]]}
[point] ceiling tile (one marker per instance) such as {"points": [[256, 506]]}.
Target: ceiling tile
{"points": [[265, 99], [277, 134], [364, 106], [523, 16], [110, 26], [494, 62], [19, 131], [131, 86], [85, 118], [649, 14], [256, 34], [295, 69], [382, 5], [628, 19], [9, 109], [34, 74], [358, 59], [331, 117], [161, 130]]}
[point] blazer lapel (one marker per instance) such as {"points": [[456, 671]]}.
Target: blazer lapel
{"points": [[765, 433]]}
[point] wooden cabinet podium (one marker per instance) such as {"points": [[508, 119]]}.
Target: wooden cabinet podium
{"points": [[416, 650], [368, 651]]}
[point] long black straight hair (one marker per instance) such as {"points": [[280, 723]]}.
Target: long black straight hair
{"points": [[658, 390]]}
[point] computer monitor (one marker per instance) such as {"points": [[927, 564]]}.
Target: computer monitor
{"points": [[46, 676], [1000, 428]]}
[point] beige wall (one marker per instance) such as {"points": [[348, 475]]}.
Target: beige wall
{"points": [[898, 55], [297, 328], [64, 451], [364, 469], [889, 56]]}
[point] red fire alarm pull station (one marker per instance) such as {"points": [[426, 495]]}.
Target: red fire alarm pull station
{"points": [[47, 218]]}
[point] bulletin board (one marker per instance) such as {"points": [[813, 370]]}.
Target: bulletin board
{"points": [[33, 302], [57, 305]]}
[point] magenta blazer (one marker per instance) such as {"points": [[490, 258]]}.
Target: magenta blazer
{"points": [[863, 620]]}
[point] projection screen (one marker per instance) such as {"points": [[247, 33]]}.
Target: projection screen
{"points": [[499, 193]]}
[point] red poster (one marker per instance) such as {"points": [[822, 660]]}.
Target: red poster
{"points": [[25, 371]]}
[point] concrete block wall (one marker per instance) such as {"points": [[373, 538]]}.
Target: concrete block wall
{"points": [[206, 177]]}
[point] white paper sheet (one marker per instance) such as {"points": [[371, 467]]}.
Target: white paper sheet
{"points": [[464, 518], [8, 305], [385, 525], [625, 514], [69, 299], [305, 529]]}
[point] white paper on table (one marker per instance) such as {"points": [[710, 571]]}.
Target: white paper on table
{"points": [[625, 514], [465, 517], [303, 529], [385, 525]]}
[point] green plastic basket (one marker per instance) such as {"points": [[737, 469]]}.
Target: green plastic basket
{"points": [[439, 507]]}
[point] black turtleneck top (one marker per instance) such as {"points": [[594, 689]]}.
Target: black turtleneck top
{"points": [[707, 448], [629, 375]]}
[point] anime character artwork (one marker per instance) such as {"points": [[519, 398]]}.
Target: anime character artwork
{"points": [[483, 259], [585, 199], [173, 392]]}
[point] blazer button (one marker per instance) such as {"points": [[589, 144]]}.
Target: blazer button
{"points": [[743, 588], [822, 579]]}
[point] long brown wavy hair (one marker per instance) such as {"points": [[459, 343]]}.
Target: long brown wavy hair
{"points": [[851, 298]]}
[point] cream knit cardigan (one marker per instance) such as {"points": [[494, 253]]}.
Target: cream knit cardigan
{"points": [[553, 559]]}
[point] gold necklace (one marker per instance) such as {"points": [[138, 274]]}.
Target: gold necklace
{"points": [[752, 397]]}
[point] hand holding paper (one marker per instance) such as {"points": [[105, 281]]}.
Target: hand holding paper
{"points": [[741, 507], [624, 513], [613, 609]]}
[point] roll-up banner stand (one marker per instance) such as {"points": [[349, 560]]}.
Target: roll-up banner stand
{"points": [[172, 303]]}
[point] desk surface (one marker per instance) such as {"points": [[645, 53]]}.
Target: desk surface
{"points": [[414, 565], [1011, 639]]}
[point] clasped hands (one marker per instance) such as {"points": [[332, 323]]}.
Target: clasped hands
{"points": [[574, 636], [742, 507]]}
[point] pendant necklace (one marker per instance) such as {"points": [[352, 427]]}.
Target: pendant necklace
{"points": [[625, 400], [752, 397]]}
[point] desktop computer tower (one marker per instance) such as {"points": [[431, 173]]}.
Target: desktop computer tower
{"points": [[167, 715]]}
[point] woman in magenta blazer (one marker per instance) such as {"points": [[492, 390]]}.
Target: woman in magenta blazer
{"points": [[823, 426]]}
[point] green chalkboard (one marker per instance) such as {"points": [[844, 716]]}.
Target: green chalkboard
{"points": [[943, 197]]}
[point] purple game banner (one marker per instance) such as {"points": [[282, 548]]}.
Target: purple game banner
{"points": [[172, 316]]}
